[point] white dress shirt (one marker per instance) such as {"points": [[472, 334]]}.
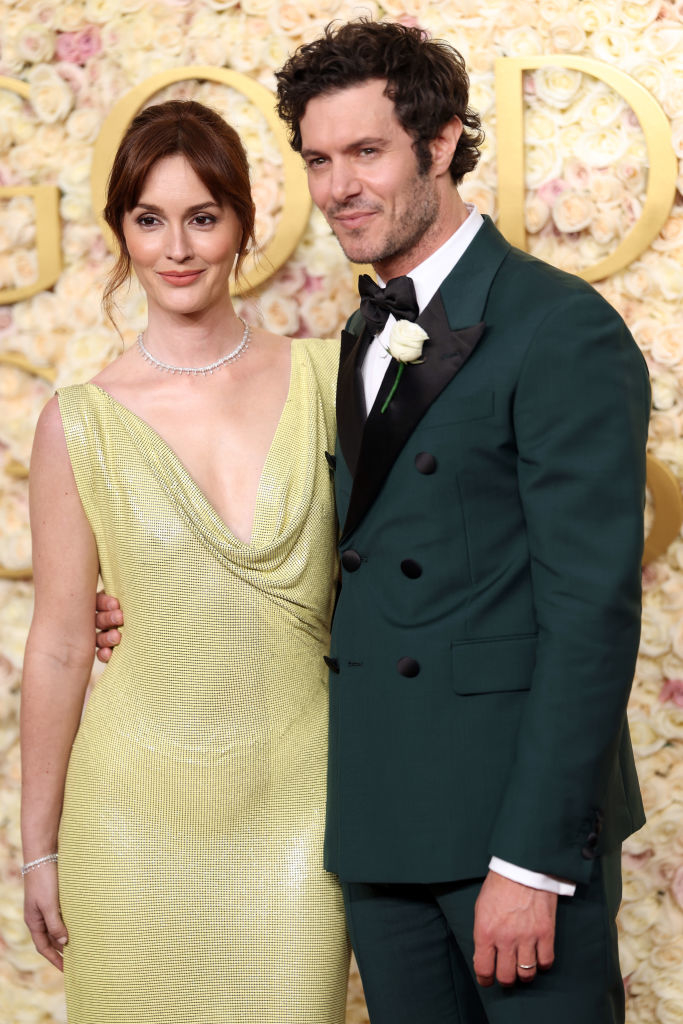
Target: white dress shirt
{"points": [[427, 277]]}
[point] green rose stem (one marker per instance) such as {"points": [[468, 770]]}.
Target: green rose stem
{"points": [[399, 374]]}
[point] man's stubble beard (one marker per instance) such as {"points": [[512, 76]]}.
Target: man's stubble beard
{"points": [[420, 216]]}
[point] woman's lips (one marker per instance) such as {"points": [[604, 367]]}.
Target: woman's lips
{"points": [[179, 280]]}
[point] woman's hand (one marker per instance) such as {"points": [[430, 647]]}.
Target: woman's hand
{"points": [[42, 913]]}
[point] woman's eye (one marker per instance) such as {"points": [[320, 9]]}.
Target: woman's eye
{"points": [[147, 220], [202, 219]]}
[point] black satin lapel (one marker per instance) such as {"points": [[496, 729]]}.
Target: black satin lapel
{"points": [[350, 396], [386, 433]]}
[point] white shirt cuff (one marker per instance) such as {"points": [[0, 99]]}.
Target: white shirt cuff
{"points": [[534, 879]]}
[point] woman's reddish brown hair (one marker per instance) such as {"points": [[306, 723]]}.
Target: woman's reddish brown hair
{"points": [[211, 147]]}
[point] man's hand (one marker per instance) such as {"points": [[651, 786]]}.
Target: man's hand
{"points": [[514, 931], [108, 616]]}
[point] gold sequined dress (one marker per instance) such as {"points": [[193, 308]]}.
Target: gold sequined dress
{"points": [[190, 846]]}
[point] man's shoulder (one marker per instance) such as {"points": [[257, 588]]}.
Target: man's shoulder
{"points": [[536, 288]]}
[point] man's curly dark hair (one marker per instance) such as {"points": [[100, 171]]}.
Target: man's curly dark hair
{"points": [[426, 80]]}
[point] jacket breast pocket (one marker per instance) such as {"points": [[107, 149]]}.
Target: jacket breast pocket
{"points": [[460, 408], [495, 665]]}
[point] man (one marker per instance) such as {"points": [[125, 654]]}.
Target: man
{"points": [[490, 500], [486, 633]]}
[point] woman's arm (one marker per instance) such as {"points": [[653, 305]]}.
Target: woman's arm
{"points": [[59, 656]]}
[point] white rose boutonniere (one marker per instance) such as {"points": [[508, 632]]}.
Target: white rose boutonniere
{"points": [[405, 345]]}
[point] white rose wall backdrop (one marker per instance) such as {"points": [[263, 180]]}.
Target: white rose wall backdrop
{"points": [[594, 88]]}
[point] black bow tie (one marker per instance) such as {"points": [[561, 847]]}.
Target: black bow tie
{"points": [[376, 304]]}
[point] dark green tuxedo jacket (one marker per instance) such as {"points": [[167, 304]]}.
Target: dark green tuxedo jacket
{"points": [[485, 638]]}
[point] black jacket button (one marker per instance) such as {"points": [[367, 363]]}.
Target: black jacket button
{"points": [[332, 664], [425, 463], [351, 560], [331, 461], [408, 667], [411, 568], [589, 850]]}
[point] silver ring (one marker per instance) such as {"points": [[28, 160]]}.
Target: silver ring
{"points": [[527, 967]]}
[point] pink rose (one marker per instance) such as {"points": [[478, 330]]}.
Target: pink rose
{"points": [[79, 47], [551, 190], [673, 691]]}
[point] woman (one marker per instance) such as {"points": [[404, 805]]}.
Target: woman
{"points": [[186, 809]]}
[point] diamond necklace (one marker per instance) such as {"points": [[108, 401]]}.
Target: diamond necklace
{"points": [[195, 370]]}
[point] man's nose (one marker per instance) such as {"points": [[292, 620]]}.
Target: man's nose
{"points": [[345, 182]]}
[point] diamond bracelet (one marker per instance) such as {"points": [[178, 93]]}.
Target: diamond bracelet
{"points": [[51, 858]]}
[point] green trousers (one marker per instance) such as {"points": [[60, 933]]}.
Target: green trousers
{"points": [[414, 948]]}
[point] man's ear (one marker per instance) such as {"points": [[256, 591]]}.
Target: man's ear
{"points": [[443, 146]]}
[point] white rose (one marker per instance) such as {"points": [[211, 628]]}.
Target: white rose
{"points": [[24, 267], [667, 925], [567, 37], [539, 127], [572, 211], [671, 452], [635, 887], [536, 214], [668, 958], [668, 274], [105, 10], [36, 44], [69, 17], [211, 50], [406, 341], [673, 99], [643, 737], [482, 96], [87, 353], [670, 1011], [606, 226], [484, 198], [653, 76], [628, 955], [637, 16], [322, 316], [612, 44], [280, 314], [50, 96], [667, 720], [83, 125], [557, 86], [667, 347], [636, 918], [664, 38], [664, 391], [543, 163], [639, 283], [606, 187], [671, 235], [632, 174], [603, 107], [591, 15], [602, 147], [522, 41]]}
